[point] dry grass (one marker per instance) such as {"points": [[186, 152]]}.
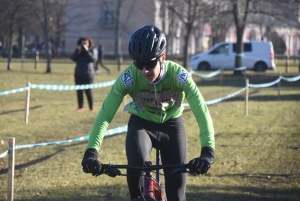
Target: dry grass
{"points": [[257, 157]]}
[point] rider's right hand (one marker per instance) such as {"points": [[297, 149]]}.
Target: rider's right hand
{"points": [[90, 163]]}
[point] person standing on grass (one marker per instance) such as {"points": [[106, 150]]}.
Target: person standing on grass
{"points": [[158, 88], [85, 55], [100, 59]]}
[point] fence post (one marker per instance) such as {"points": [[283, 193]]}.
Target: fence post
{"points": [[246, 97], [221, 75], [11, 169], [36, 61], [27, 103], [278, 87], [287, 63], [299, 64]]}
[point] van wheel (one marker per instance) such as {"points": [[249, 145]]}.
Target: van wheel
{"points": [[260, 67], [204, 66]]}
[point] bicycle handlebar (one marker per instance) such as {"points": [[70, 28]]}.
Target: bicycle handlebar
{"points": [[151, 167], [113, 170]]}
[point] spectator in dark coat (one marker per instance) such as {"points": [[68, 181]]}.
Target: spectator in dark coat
{"points": [[85, 55]]}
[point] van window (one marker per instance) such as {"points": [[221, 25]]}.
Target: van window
{"points": [[221, 49], [247, 47]]}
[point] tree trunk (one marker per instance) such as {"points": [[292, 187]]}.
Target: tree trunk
{"points": [[239, 53], [186, 50], [48, 45], [119, 37], [9, 56], [9, 64]]}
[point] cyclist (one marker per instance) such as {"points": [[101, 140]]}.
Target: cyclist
{"points": [[158, 88]]}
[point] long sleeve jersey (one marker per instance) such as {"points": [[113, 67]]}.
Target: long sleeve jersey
{"points": [[155, 102]]}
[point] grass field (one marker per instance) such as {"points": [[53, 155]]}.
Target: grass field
{"points": [[257, 157]]}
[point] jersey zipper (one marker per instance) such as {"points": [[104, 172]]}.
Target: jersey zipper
{"points": [[155, 92]]}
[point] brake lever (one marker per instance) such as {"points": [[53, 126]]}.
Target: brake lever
{"points": [[111, 171], [178, 170]]}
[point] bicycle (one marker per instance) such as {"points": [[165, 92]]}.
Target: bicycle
{"points": [[151, 188]]}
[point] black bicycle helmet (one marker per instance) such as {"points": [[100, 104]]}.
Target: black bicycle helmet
{"points": [[147, 43]]}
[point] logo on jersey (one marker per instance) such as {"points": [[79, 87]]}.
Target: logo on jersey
{"points": [[127, 78], [182, 77]]}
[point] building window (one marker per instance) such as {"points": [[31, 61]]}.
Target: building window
{"points": [[108, 18]]}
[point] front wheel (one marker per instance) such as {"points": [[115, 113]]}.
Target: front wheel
{"points": [[145, 199], [204, 66], [260, 67]]}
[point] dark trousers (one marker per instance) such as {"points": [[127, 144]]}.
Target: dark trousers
{"points": [[170, 139], [80, 80], [100, 62]]}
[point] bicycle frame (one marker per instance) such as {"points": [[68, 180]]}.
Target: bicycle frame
{"points": [[151, 187]]}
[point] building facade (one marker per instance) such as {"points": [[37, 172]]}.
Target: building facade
{"points": [[98, 19]]}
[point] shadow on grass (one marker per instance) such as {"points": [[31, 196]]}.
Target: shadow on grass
{"points": [[36, 72], [20, 110], [195, 193], [33, 162], [42, 159]]}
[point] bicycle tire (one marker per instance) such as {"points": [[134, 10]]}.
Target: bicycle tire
{"points": [[146, 199]]}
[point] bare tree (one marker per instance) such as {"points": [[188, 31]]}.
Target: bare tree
{"points": [[188, 12], [41, 10], [121, 25], [240, 18], [285, 12], [50, 15], [58, 25], [12, 11], [219, 22]]}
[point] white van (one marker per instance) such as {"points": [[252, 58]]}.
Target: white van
{"points": [[258, 56]]}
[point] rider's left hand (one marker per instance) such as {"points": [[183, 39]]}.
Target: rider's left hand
{"points": [[202, 164]]}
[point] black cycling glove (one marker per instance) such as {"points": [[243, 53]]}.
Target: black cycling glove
{"points": [[202, 164], [90, 163]]}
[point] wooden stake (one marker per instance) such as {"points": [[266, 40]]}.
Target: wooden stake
{"points": [[11, 169], [278, 87], [247, 97], [27, 104], [221, 76]]}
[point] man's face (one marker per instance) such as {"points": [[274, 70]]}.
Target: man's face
{"points": [[150, 69]]}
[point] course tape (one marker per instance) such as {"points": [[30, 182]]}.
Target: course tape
{"points": [[240, 68], [113, 131], [71, 87], [215, 72], [289, 79], [14, 91], [264, 85], [206, 75], [211, 102], [59, 87]]}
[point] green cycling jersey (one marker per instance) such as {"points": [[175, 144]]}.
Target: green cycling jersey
{"points": [[155, 102]]}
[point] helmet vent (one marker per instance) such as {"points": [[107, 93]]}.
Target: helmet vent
{"points": [[162, 45]]}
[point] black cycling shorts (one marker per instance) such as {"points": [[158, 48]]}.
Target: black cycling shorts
{"points": [[170, 139]]}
